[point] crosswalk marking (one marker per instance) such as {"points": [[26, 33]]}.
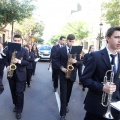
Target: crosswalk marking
{"points": [[58, 99]]}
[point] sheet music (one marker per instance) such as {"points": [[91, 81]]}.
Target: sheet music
{"points": [[36, 60], [115, 105]]}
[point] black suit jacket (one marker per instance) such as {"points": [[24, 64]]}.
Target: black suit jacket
{"points": [[21, 68], [93, 76], [31, 59], [86, 56], [61, 59], [54, 51]]}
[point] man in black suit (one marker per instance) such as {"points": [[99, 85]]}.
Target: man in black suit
{"points": [[93, 76], [18, 81], [55, 70], [61, 60], [1, 67], [86, 56]]}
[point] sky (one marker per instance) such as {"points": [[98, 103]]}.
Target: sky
{"points": [[55, 13]]}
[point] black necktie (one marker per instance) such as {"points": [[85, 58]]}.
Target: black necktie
{"points": [[69, 51], [113, 62]]}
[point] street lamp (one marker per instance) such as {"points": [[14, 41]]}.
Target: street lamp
{"points": [[100, 36]]}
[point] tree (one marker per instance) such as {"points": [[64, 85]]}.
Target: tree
{"points": [[77, 28], [111, 12], [29, 29], [40, 41], [14, 11], [54, 39]]}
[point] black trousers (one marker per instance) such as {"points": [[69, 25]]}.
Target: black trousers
{"points": [[65, 93], [29, 75], [79, 71], [55, 75], [1, 74], [90, 116], [34, 67], [17, 88]]}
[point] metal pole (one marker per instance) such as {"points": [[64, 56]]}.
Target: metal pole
{"points": [[12, 31], [100, 39]]}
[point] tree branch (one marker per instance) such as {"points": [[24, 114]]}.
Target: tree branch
{"points": [[1, 28]]}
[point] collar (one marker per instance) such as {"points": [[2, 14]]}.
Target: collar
{"points": [[109, 51]]}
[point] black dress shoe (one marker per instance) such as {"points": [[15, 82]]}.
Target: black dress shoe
{"points": [[14, 110], [18, 115], [80, 83], [83, 89], [67, 109], [62, 118], [1, 89], [55, 89]]}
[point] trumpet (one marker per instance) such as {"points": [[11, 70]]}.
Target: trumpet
{"points": [[108, 113]]}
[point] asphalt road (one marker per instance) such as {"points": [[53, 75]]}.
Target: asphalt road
{"points": [[40, 101]]}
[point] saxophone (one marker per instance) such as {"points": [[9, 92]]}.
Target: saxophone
{"points": [[12, 65], [69, 66]]}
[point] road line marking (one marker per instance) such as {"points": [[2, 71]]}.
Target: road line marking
{"points": [[58, 99]]}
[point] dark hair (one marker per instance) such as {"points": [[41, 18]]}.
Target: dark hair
{"points": [[70, 37], [33, 47], [62, 37], [111, 30], [90, 47], [26, 46], [17, 36]]}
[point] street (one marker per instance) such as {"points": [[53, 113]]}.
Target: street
{"points": [[40, 102]]}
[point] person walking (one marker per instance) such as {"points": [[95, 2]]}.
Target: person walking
{"points": [[17, 81], [97, 65], [55, 70]]}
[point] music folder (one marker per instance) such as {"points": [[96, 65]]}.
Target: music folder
{"points": [[76, 49], [115, 105], [14, 46]]}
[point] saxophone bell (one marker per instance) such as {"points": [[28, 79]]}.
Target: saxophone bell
{"points": [[69, 66], [12, 67]]}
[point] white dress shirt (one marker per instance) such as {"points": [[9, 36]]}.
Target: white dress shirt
{"points": [[116, 58]]}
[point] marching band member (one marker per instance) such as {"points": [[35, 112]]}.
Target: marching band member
{"points": [[30, 65], [1, 68], [36, 55], [66, 84], [55, 70], [93, 76], [18, 80]]}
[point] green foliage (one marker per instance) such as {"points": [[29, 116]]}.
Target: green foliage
{"points": [[38, 29], [24, 27], [40, 41], [14, 11], [54, 39], [77, 28], [111, 11], [30, 28]]}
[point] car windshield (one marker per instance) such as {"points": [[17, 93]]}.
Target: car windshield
{"points": [[45, 48]]}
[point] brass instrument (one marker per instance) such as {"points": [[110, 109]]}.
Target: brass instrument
{"points": [[69, 66], [2, 53], [12, 65], [108, 114]]}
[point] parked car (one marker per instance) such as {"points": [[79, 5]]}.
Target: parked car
{"points": [[44, 52]]}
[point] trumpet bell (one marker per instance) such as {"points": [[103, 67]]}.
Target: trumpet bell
{"points": [[108, 115]]}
